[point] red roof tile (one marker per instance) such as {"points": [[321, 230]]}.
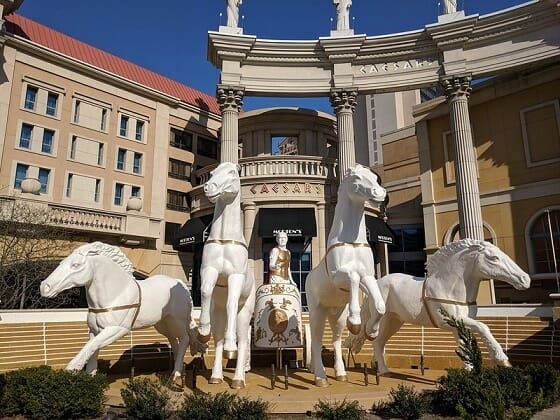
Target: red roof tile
{"points": [[47, 37]]}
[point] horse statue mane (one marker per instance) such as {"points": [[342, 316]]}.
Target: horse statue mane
{"points": [[114, 253], [440, 260]]}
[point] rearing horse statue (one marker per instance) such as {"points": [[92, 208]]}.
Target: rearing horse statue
{"points": [[333, 287], [228, 288]]}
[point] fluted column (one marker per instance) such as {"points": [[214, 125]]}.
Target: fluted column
{"points": [[249, 213], [458, 90], [230, 100], [344, 103], [322, 230]]}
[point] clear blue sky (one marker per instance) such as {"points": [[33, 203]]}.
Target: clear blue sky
{"points": [[170, 36]]}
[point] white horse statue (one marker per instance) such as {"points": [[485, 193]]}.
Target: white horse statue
{"points": [[333, 286], [454, 275], [118, 303], [228, 288]]}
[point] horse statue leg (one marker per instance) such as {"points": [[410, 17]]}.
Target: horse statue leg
{"points": [[107, 336], [235, 285], [388, 326], [178, 338], [91, 366], [218, 330], [495, 350], [209, 277], [337, 321], [243, 343], [317, 318]]}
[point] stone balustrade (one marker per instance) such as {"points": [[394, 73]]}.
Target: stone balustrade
{"points": [[87, 219]]}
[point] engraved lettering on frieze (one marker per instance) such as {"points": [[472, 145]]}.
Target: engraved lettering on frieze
{"points": [[305, 188], [396, 66]]}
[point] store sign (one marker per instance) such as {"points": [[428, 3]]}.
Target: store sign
{"points": [[289, 232], [285, 188]]}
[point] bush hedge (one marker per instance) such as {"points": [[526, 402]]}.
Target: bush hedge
{"points": [[145, 399], [44, 393]]}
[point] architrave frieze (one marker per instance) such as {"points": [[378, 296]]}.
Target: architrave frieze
{"points": [[505, 41]]}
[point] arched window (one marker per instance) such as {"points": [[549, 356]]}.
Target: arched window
{"points": [[544, 234], [453, 234]]}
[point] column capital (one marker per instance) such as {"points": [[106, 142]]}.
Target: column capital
{"points": [[456, 87], [230, 98], [343, 100], [248, 205]]}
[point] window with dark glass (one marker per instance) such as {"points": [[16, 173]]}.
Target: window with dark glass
{"points": [[181, 139], [31, 97], [46, 144], [97, 190], [207, 147], [69, 185], [123, 129], [139, 135], [177, 200], [179, 169], [52, 101], [135, 191], [119, 189], [44, 179], [545, 242], [407, 255], [137, 163], [21, 173], [25, 136], [121, 159], [100, 152]]}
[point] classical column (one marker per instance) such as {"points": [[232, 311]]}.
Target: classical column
{"points": [[230, 100], [321, 229], [344, 103], [458, 90], [249, 213]]}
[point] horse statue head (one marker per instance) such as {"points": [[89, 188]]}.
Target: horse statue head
{"points": [[361, 184], [224, 183], [75, 270], [488, 261]]}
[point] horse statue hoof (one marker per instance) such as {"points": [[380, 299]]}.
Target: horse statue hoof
{"points": [[342, 378], [215, 381], [237, 384], [353, 328], [203, 338], [321, 382], [504, 363]]}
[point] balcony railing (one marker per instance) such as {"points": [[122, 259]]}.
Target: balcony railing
{"points": [[87, 219], [281, 166]]}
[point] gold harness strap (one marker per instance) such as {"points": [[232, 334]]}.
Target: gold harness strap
{"points": [[352, 244], [425, 300], [226, 241], [123, 307]]}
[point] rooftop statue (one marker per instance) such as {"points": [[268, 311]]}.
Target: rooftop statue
{"points": [[232, 10], [342, 14], [453, 277], [333, 286], [449, 6], [227, 285], [118, 303]]}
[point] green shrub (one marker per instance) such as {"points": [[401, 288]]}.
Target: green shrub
{"points": [[145, 399], [202, 406], [515, 385], [544, 379], [406, 403], [339, 410], [44, 393]]}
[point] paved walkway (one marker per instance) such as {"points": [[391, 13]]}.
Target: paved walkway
{"points": [[302, 394]]}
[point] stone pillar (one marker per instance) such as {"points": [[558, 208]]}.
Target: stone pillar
{"points": [[249, 213], [344, 103], [321, 230], [230, 100], [458, 90]]}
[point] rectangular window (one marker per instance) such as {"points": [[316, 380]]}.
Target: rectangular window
{"points": [[121, 159], [139, 130], [179, 169], [46, 145], [103, 120], [100, 153], [119, 188], [26, 135], [177, 200], [76, 117], [21, 173], [97, 190], [135, 191], [123, 129], [137, 167], [73, 142], [206, 147], [31, 97], [44, 179], [69, 185], [181, 139], [52, 101]]}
